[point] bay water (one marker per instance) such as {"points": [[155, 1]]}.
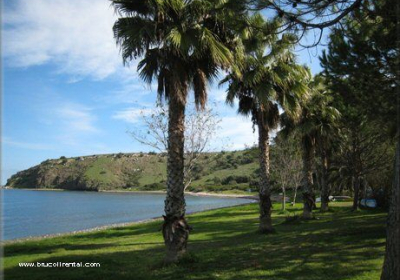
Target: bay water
{"points": [[28, 213]]}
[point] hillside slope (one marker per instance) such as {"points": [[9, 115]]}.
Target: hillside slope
{"points": [[139, 171]]}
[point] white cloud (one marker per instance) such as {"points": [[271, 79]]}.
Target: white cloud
{"points": [[239, 131], [74, 35], [76, 118], [133, 92], [217, 94], [26, 145], [131, 115]]}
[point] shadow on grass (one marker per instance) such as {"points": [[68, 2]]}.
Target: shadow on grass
{"points": [[225, 245]]}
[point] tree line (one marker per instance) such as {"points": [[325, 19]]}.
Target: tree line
{"points": [[343, 119]]}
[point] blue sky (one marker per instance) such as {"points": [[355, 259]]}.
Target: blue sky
{"points": [[66, 93]]}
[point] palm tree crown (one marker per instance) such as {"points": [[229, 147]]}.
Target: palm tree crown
{"points": [[268, 75], [181, 43]]}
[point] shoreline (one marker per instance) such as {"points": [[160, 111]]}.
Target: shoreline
{"points": [[224, 195], [104, 227]]}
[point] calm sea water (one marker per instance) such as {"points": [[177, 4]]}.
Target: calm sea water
{"points": [[34, 213]]}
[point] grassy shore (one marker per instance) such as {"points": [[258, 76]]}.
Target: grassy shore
{"points": [[224, 244]]}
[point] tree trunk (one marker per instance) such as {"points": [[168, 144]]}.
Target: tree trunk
{"points": [[283, 199], [324, 182], [356, 197], [264, 188], [175, 228], [307, 180], [295, 195], [391, 265]]}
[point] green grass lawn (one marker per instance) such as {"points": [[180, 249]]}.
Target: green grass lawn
{"points": [[224, 244]]}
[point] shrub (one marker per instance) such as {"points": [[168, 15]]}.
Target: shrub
{"points": [[234, 180], [133, 180], [153, 187], [217, 180], [246, 160]]}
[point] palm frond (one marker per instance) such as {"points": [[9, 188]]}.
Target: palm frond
{"points": [[200, 89]]}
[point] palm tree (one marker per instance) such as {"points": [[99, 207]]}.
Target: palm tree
{"points": [[182, 44], [317, 128], [324, 121], [268, 78]]}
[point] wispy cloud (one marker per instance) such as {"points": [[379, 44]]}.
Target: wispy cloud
{"points": [[217, 94], [76, 36], [131, 115], [76, 118], [26, 145], [132, 92], [239, 131]]}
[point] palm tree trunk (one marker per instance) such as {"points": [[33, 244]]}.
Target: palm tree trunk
{"points": [[391, 265], [264, 188], [324, 182], [307, 184], [175, 228]]}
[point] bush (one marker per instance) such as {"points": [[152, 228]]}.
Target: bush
{"points": [[152, 153], [253, 183], [246, 160], [153, 187], [133, 180], [217, 180], [234, 180]]}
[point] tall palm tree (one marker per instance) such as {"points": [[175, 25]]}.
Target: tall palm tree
{"points": [[268, 78], [182, 44], [323, 124], [308, 140], [317, 128]]}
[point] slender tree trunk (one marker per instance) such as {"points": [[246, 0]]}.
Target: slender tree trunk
{"points": [[283, 198], [175, 228], [356, 197], [295, 196], [391, 265], [324, 182], [307, 180], [264, 188]]}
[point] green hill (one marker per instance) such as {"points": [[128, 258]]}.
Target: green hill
{"points": [[223, 171]]}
